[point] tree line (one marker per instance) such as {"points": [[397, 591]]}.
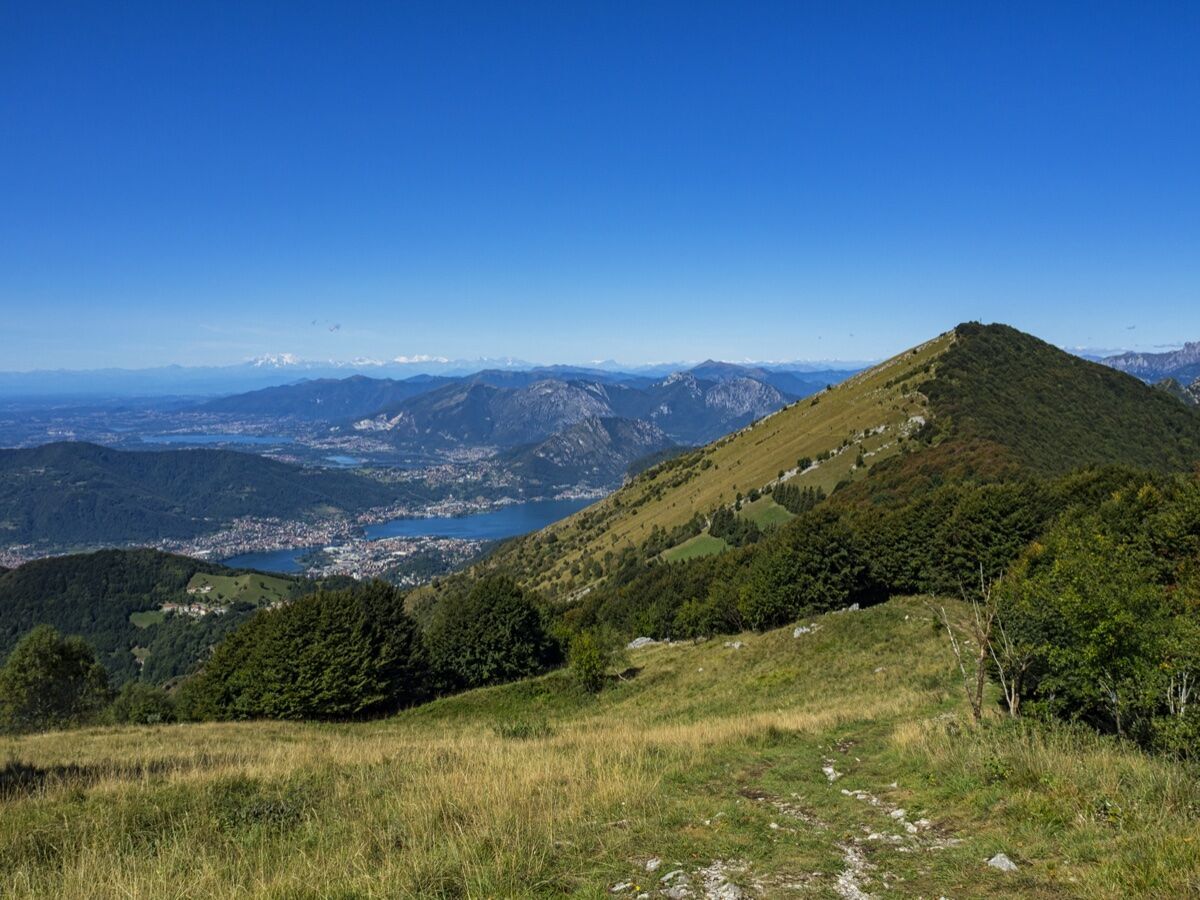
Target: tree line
{"points": [[333, 654]]}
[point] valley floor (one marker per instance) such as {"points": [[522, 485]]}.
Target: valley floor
{"points": [[836, 763]]}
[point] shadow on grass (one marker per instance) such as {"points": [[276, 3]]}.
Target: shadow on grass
{"points": [[21, 779]]}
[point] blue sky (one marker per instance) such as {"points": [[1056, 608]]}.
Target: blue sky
{"points": [[201, 183]]}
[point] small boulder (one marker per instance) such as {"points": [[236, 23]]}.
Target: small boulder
{"points": [[801, 629], [653, 863], [734, 645], [1002, 862], [638, 643]]}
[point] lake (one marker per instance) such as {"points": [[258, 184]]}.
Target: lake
{"points": [[507, 521], [343, 461], [286, 562]]}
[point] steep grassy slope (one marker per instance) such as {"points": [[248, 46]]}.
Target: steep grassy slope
{"points": [[873, 412], [709, 759]]}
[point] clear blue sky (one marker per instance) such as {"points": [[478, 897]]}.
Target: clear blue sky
{"points": [[191, 182]]}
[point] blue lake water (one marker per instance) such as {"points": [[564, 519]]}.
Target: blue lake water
{"points": [[343, 461], [286, 562], [261, 439], [507, 521]]}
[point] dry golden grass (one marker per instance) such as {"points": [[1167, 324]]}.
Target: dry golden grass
{"points": [[535, 790]]}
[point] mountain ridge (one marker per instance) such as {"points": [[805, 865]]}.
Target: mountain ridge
{"points": [[1182, 364], [979, 403]]}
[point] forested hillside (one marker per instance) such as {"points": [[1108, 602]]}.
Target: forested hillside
{"points": [[78, 493], [99, 596], [1051, 411]]}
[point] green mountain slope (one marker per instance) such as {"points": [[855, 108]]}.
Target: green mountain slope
{"points": [[79, 493], [977, 403], [1051, 411]]}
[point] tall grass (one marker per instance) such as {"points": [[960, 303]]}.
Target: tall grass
{"points": [[536, 790]]}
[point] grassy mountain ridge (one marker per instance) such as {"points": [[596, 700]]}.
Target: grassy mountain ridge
{"points": [[79, 493], [979, 403], [876, 411]]}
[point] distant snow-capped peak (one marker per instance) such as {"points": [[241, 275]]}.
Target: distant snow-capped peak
{"points": [[276, 361], [419, 358]]}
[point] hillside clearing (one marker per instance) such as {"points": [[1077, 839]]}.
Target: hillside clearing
{"points": [[250, 587], [699, 545], [788, 767], [765, 512]]}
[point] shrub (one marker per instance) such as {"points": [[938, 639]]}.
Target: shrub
{"points": [[50, 681], [493, 633], [330, 655], [139, 703], [589, 661]]}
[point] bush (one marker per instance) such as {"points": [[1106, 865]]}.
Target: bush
{"points": [[589, 661], [139, 703], [331, 655], [716, 613], [493, 633], [49, 682]]}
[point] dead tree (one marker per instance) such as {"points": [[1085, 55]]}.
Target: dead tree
{"points": [[977, 631]]}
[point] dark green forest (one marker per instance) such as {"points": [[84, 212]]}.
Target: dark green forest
{"points": [[93, 595]]}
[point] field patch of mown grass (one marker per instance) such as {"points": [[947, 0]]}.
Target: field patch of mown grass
{"points": [[703, 754], [147, 617], [765, 512], [703, 544]]}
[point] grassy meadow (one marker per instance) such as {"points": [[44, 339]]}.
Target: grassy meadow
{"points": [[765, 512], [703, 544], [836, 762], [250, 587]]}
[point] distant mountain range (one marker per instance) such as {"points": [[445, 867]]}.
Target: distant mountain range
{"points": [[284, 368], [1183, 365], [477, 411], [554, 426]]}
